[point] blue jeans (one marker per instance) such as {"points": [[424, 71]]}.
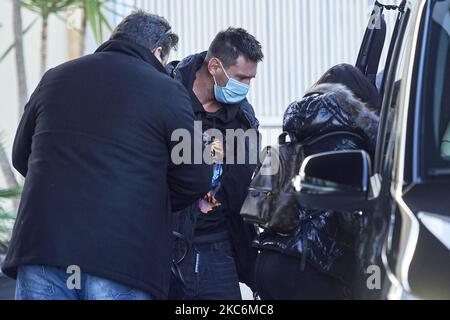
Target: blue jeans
{"points": [[50, 283], [209, 273]]}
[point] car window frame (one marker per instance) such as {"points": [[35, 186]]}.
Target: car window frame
{"points": [[397, 46]]}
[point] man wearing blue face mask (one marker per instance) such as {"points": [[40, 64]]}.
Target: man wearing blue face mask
{"points": [[233, 92], [213, 249]]}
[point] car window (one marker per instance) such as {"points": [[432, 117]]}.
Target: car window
{"points": [[391, 97], [437, 93], [442, 81]]}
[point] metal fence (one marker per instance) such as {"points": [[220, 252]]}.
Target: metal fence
{"points": [[301, 39]]}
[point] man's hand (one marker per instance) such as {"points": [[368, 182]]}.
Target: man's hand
{"points": [[208, 203], [217, 152]]}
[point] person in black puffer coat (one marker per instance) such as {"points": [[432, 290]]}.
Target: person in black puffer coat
{"points": [[317, 260]]}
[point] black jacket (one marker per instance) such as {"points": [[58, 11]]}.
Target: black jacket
{"points": [[326, 239], [95, 147], [235, 180]]}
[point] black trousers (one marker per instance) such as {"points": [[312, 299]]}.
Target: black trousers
{"points": [[209, 273], [279, 277]]}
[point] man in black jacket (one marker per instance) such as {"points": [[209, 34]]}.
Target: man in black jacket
{"points": [[95, 147], [213, 248]]}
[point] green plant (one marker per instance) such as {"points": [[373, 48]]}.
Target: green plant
{"points": [[7, 218], [13, 45], [46, 8], [93, 14], [11, 193]]}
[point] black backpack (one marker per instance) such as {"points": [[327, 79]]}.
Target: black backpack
{"points": [[271, 202]]}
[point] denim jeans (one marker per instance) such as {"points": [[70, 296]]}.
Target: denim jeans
{"points": [[50, 283], [209, 273]]}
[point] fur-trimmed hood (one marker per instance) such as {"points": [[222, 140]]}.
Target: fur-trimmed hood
{"points": [[365, 118], [331, 107]]}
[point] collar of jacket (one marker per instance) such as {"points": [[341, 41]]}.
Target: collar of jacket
{"points": [[127, 47], [185, 72]]}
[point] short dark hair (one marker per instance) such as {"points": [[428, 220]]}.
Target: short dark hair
{"points": [[228, 45], [148, 30]]}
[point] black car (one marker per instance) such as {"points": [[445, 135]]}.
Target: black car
{"points": [[403, 193]]}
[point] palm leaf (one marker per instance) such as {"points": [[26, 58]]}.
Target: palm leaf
{"points": [[91, 9], [12, 46], [6, 225], [95, 17], [5, 216], [10, 193]]}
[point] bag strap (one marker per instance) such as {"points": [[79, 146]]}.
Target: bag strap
{"points": [[282, 139], [312, 93], [313, 140]]}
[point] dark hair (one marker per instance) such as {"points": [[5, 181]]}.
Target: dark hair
{"points": [[148, 30], [355, 80], [228, 45]]}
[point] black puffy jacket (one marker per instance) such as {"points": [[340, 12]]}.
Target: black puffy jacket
{"points": [[325, 239]]}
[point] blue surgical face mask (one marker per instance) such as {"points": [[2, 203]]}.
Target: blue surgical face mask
{"points": [[234, 91]]}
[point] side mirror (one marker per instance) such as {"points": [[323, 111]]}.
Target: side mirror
{"points": [[334, 181]]}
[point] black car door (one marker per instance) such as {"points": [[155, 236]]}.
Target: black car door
{"points": [[376, 220], [373, 43]]}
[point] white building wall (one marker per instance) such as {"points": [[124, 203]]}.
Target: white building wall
{"points": [[301, 39]]}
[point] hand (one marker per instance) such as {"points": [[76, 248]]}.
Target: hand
{"points": [[217, 152], [208, 203]]}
